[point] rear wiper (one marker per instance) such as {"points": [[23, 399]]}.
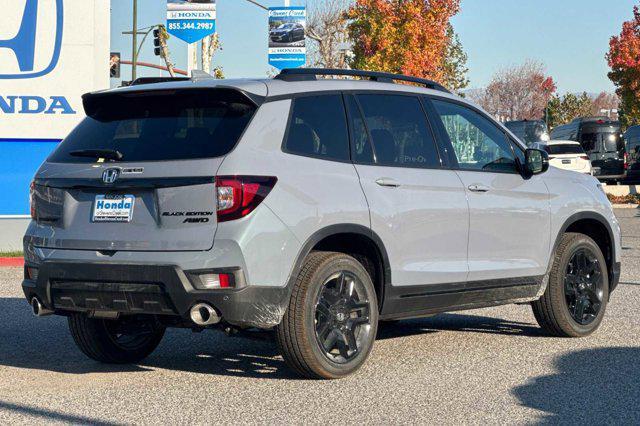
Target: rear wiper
{"points": [[107, 154]]}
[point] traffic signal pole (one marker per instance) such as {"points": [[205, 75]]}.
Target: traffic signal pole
{"points": [[134, 44]]}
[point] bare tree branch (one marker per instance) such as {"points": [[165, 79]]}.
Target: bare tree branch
{"points": [[327, 29]]}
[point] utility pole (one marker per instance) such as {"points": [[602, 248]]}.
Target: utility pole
{"points": [[134, 45]]}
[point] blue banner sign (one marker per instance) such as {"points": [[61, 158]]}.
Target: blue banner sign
{"points": [[191, 20], [287, 48]]}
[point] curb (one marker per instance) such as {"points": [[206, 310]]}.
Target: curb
{"points": [[625, 206], [9, 262]]}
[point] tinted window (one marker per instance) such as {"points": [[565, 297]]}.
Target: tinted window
{"points": [[159, 126], [399, 131], [563, 149], [318, 128], [589, 141], [477, 142]]}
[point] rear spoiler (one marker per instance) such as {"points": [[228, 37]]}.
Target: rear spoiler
{"points": [[91, 101]]}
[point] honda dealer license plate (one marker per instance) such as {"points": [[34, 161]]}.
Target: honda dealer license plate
{"points": [[113, 208]]}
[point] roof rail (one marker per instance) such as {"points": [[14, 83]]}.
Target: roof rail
{"points": [[311, 74]]}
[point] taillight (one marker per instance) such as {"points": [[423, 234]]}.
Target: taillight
{"points": [[551, 157], [626, 162], [584, 157], [32, 200], [237, 196]]}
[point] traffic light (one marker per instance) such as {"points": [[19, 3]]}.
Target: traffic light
{"points": [[157, 42], [114, 65]]}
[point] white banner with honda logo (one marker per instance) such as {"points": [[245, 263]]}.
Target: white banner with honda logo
{"points": [[51, 52]]}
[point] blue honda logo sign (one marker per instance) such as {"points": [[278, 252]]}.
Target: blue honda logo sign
{"points": [[25, 44], [191, 20]]}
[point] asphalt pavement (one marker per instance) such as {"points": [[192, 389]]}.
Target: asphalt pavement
{"points": [[485, 366]]}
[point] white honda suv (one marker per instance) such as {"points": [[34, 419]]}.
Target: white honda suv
{"points": [[312, 207]]}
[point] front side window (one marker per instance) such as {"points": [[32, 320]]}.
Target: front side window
{"points": [[400, 134], [477, 142], [318, 128]]}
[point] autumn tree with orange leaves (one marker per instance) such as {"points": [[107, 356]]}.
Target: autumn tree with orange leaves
{"points": [[624, 60], [402, 36]]}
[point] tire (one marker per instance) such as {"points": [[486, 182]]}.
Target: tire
{"points": [[333, 300], [562, 310], [124, 341]]}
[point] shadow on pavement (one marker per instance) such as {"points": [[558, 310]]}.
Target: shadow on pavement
{"points": [[592, 386], [50, 415], [458, 322], [46, 344]]}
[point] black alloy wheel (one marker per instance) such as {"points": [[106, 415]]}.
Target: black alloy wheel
{"points": [[342, 317], [584, 286]]}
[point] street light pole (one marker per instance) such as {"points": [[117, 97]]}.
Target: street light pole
{"points": [[134, 46]]}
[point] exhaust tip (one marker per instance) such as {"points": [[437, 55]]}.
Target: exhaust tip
{"points": [[38, 309], [203, 314]]}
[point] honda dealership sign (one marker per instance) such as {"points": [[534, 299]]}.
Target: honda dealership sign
{"points": [[287, 48], [51, 52], [191, 20]]}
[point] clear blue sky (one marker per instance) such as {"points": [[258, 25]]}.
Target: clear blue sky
{"points": [[570, 36]]}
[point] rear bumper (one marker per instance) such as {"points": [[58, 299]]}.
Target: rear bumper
{"points": [[148, 289]]}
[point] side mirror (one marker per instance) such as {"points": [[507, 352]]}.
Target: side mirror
{"points": [[536, 161]]}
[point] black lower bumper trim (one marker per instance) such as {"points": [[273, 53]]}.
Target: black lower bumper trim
{"points": [[615, 276], [148, 289]]}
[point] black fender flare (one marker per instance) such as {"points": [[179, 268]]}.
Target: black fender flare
{"points": [[347, 228], [613, 273]]}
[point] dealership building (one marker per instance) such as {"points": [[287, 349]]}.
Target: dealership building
{"points": [[51, 52]]}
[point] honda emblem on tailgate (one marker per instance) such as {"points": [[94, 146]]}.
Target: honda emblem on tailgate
{"points": [[110, 175]]}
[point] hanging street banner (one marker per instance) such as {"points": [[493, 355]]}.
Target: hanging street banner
{"points": [[191, 20], [287, 47]]}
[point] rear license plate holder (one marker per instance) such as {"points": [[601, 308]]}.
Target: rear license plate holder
{"points": [[113, 208]]}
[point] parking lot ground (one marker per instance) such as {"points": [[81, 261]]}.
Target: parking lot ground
{"points": [[484, 366]]}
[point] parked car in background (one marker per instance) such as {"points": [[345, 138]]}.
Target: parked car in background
{"points": [[529, 131], [567, 155], [601, 138], [287, 33], [632, 149]]}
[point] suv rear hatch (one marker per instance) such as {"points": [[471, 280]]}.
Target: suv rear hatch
{"points": [[139, 172]]}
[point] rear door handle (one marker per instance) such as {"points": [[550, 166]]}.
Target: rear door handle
{"points": [[478, 188], [387, 182]]}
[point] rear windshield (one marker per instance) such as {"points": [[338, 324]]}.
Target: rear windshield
{"points": [[158, 126], [602, 142], [564, 149]]}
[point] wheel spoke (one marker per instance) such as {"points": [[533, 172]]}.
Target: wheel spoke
{"points": [[329, 342], [323, 308], [323, 328], [579, 309], [352, 345]]}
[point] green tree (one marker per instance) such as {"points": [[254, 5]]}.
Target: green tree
{"points": [[565, 109], [454, 64]]}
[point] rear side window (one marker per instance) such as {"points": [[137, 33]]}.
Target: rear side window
{"points": [[400, 134], [318, 128], [158, 126]]}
